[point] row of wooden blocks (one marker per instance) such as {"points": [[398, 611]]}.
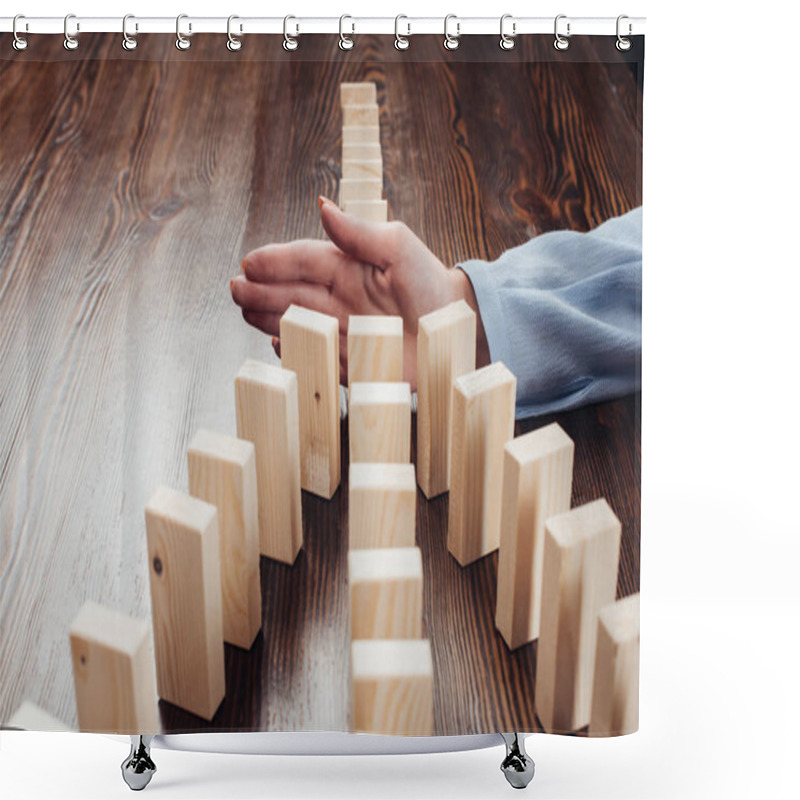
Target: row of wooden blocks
{"points": [[361, 187]]}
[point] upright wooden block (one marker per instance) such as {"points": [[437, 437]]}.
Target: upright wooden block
{"points": [[361, 134], [222, 471], [615, 693], [362, 169], [112, 666], [267, 415], [374, 349], [537, 484], [186, 600], [380, 422], [310, 347], [382, 502], [369, 210], [581, 556], [445, 350], [362, 115], [29, 717], [482, 422], [362, 93], [353, 190], [392, 686], [385, 593], [360, 151]]}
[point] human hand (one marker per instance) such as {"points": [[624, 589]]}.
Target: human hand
{"points": [[366, 268]]}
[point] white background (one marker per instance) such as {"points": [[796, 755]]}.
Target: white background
{"points": [[721, 540]]}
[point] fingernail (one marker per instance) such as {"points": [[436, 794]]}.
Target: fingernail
{"points": [[230, 285], [322, 200]]}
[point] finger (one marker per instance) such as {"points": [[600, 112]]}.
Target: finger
{"points": [[276, 346], [267, 322], [277, 297], [303, 260], [371, 242]]}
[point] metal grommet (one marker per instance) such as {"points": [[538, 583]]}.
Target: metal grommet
{"points": [[70, 42], [128, 42], [345, 42], [181, 42], [507, 42], [289, 42], [401, 42], [19, 43], [451, 42], [561, 42], [623, 44], [234, 43]]}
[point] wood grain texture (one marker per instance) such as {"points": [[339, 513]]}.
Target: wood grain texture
{"points": [[120, 340], [369, 210], [358, 93], [363, 115], [380, 423], [360, 190], [374, 349]]}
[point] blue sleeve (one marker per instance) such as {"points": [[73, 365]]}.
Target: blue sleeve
{"points": [[564, 313]]}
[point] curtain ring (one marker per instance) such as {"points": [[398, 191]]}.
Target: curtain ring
{"points": [[345, 42], [70, 42], [181, 42], [234, 42], [451, 42], [561, 42], [19, 43], [128, 42], [507, 42], [623, 44], [289, 42], [401, 42]]}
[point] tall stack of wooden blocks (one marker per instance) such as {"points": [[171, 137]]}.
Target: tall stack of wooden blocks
{"points": [[361, 187]]}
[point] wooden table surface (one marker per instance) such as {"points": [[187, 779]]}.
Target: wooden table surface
{"points": [[131, 184]]}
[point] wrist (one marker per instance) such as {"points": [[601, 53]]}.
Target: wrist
{"points": [[464, 291]]}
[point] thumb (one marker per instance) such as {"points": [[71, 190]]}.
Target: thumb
{"points": [[366, 241]]}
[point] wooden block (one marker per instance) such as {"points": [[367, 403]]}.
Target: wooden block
{"points": [[482, 422], [112, 667], [186, 601], [361, 134], [310, 347], [362, 169], [267, 415], [581, 556], [369, 210], [392, 686], [380, 423], [385, 593], [445, 350], [363, 151], [362, 93], [356, 189], [222, 471], [615, 692], [537, 484], [374, 349], [362, 115], [382, 501], [29, 717]]}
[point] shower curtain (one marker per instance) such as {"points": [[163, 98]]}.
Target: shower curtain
{"points": [[321, 385]]}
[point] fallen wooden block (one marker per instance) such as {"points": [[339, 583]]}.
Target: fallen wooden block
{"points": [[361, 134], [361, 115], [362, 151], [362, 93], [385, 593], [362, 169], [112, 667], [382, 502], [186, 600], [392, 686], [445, 350], [374, 349], [357, 189], [222, 471], [29, 717], [615, 692], [482, 422], [310, 347], [369, 210], [581, 556], [537, 484], [380, 422], [267, 415]]}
